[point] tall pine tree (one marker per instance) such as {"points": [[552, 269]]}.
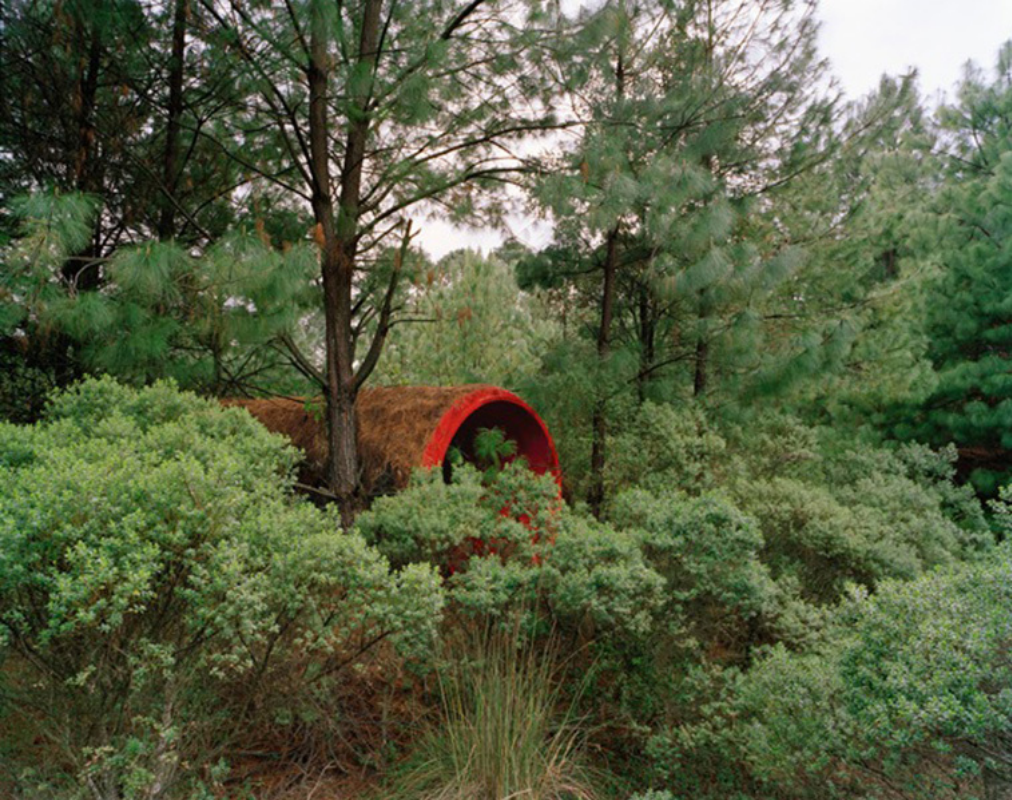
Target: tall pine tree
{"points": [[970, 308], [380, 110], [691, 113]]}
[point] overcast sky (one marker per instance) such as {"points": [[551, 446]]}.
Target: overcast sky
{"points": [[862, 39]]}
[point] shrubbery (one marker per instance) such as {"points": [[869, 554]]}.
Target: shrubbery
{"points": [[909, 695], [510, 543], [161, 592], [680, 607]]}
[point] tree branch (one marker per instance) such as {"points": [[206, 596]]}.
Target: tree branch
{"points": [[383, 325]]}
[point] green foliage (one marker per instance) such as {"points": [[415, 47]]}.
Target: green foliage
{"points": [[663, 256], [208, 322], [829, 509], [427, 521], [907, 696], [851, 319], [510, 544], [53, 226], [161, 591], [597, 575], [443, 524], [672, 599], [94, 113], [466, 322], [928, 663], [708, 553], [967, 309], [491, 447], [662, 447], [746, 280]]}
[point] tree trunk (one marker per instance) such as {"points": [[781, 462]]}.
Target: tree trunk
{"points": [[599, 423], [87, 90], [80, 272], [700, 377], [647, 334], [170, 169], [342, 442], [599, 428], [339, 237]]}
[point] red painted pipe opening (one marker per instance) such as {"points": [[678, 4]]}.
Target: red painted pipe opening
{"points": [[492, 408], [489, 407]]}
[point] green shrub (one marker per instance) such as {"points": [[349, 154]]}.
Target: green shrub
{"points": [[834, 511], [509, 542], [926, 669], [508, 513], [706, 623], [909, 695], [596, 574], [661, 447], [708, 553], [162, 592]]}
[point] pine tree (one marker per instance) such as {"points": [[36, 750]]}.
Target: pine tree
{"points": [[212, 320], [102, 107], [378, 109], [970, 307], [465, 321], [844, 335], [109, 99], [691, 113]]}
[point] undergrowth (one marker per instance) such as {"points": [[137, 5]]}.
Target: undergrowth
{"points": [[506, 731]]}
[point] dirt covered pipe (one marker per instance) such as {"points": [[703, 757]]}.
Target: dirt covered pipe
{"points": [[402, 428]]}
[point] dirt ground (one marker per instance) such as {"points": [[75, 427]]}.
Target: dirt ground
{"points": [[268, 782]]}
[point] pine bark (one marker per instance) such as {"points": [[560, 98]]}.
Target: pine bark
{"points": [[170, 168], [80, 271], [599, 427], [339, 237], [699, 379], [599, 422], [647, 335]]}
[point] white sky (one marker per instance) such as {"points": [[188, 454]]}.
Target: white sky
{"points": [[862, 39]]}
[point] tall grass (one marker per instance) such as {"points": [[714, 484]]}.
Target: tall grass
{"points": [[506, 732]]}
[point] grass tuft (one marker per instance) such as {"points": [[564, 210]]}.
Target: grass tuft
{"points": [[506, 733]]}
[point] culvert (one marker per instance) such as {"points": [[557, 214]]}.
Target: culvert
{"points": [[402, 428]]}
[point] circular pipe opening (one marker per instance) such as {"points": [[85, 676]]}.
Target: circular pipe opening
{"points": [[492, 409]]}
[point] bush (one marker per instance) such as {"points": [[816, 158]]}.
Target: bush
{"points": [[833, 512], [661, 447], [926, 669], [509, 542], [706, 623], [509, 513], [159, 585], [908, 696], [708, 553]]}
